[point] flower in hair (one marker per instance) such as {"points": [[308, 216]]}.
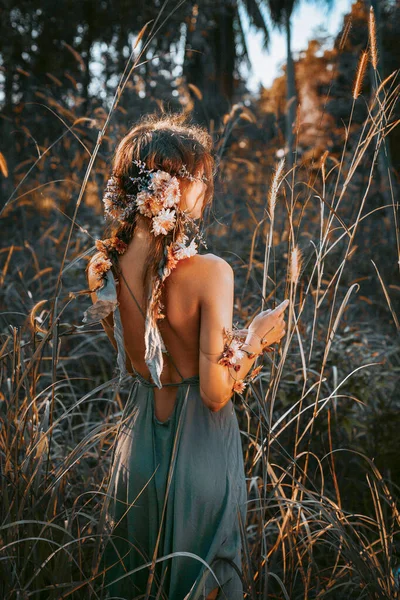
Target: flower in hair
{"points": [[112, 243], [181, 251], [146, 204], [176, 251], [100, 265], [112, 198], [159, 178], [164, 221]]}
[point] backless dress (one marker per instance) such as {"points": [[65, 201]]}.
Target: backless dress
{"points": [[177, 490]]}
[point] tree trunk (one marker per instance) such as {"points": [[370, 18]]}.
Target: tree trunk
{"points": [[291, 96], [210, 66]]}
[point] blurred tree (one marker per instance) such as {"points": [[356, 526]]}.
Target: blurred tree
{"points": [[215, 47], [281, 13]]}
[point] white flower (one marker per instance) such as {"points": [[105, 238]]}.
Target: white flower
{"points": [[181, 239], [164, 221], [172, 194], [159, 179], [142, 201], [237, 354], [182, 251]]}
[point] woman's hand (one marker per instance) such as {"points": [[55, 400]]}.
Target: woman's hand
{"points": [[242, 333], [268, 326]]}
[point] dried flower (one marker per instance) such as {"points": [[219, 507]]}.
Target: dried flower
{"points": [[101, 264], [239, 386], [232, 352], [172, 260], [159, 179], [183, 251], [164, 221], [255, 372], [144, 204], [112, 243], [225, 361], [165, 186], [112, 198]]}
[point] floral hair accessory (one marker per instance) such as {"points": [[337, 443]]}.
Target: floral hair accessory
{"points": [[158, 197], [114, 199], [112, 243], [100, 264]]}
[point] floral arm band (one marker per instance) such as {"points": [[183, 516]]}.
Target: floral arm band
{"points": [[233, 352]]}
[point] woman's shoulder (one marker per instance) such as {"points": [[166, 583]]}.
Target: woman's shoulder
{"points": [[210, 263], [206, 271], [205, 264]]}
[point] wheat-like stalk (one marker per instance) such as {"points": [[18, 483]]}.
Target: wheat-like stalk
{"points": [[362, 65], [372, 39], [295, 265], [273, 194], [345, 34]]}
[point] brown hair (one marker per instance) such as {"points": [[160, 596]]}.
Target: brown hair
{"points": [[168, 142]]}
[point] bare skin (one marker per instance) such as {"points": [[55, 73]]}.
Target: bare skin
{"points": [[180, 332], [198, 300]]}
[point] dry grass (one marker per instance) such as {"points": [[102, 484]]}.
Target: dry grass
{"points": [[322, 519]]}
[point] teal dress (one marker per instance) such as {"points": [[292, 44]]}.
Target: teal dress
{"points": [[177, 491]]}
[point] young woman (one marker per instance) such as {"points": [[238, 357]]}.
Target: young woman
{"points": [[177, 483]]}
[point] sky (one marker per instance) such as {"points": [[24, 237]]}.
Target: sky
{"points": [[306, 20]]}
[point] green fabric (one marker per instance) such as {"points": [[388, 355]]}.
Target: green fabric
{"points": [[201, 451], [207, 488]]}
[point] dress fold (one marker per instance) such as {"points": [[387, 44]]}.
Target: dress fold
{"points": [[207, 491]]}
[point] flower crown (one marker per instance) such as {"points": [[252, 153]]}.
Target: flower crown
{"points": [[158, 197]]}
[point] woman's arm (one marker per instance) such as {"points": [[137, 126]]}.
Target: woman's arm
{"points": [[216, 312]]}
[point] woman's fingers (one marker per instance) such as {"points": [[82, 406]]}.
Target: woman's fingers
{"points": [[278, 310]]}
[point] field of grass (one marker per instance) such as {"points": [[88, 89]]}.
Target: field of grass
{"points": [[320, 422]]}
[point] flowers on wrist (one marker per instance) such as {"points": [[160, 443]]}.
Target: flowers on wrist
{"points": [[232, 351], [232, 354], [239, 386]]}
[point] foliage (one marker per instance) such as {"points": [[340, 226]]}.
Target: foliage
{"points": [[319, 423]]}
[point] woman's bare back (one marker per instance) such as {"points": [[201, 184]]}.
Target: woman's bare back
{"points": [[180, 329], [198, 299]]}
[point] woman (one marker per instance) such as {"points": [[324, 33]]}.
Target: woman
{"points": [[177, 484]]}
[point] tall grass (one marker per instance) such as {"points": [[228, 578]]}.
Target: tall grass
{"points": [[323, 518]]}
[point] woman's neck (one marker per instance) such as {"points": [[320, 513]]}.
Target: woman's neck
{"points": [[142, 228]]}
